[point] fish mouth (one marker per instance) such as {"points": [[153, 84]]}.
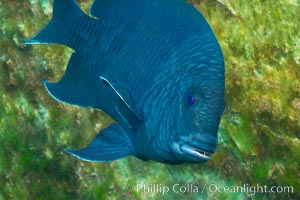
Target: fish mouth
{"points": [[198, 153]]}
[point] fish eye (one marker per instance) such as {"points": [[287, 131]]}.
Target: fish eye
{"points": [[191, 99]]}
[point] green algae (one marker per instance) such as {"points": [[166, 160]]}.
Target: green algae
{"points": [[259, 133]]}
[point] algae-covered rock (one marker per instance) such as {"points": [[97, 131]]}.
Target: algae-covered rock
{"points": [[258, 156]]}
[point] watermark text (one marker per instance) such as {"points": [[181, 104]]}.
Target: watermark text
{"points": [[211, 188]]}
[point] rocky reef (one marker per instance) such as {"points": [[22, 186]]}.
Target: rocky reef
{"points": [[258, 156]]}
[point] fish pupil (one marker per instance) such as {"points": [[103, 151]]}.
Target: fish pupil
{"points": [[191, 99]]}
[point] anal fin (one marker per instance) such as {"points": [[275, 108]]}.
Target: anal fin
{"points": [[111, 144]]}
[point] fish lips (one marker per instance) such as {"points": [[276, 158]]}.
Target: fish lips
{"points": [[199, 149], [201, 154]]}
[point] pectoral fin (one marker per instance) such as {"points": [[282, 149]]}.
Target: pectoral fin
{"points": [[111, 144], [125, 107]]}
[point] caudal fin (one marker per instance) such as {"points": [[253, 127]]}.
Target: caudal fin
{"points": [[74, 87], [64, 13]]}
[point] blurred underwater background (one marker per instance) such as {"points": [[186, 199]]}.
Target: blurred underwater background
{"points": [[259, 135]]}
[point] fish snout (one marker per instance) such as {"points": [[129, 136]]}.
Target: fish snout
{"points": [[198, 148]]}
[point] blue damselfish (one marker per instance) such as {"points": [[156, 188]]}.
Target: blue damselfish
{"points": [[154, 66]]}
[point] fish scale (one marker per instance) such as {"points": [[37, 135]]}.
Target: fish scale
{"points": [[85, 49], [137, 69], [154, 66]]}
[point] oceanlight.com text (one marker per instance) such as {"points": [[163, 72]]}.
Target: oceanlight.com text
{"points": [[251, 190], [212, 188]]}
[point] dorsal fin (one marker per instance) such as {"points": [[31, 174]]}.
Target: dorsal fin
{"points": [[158, 10]]}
